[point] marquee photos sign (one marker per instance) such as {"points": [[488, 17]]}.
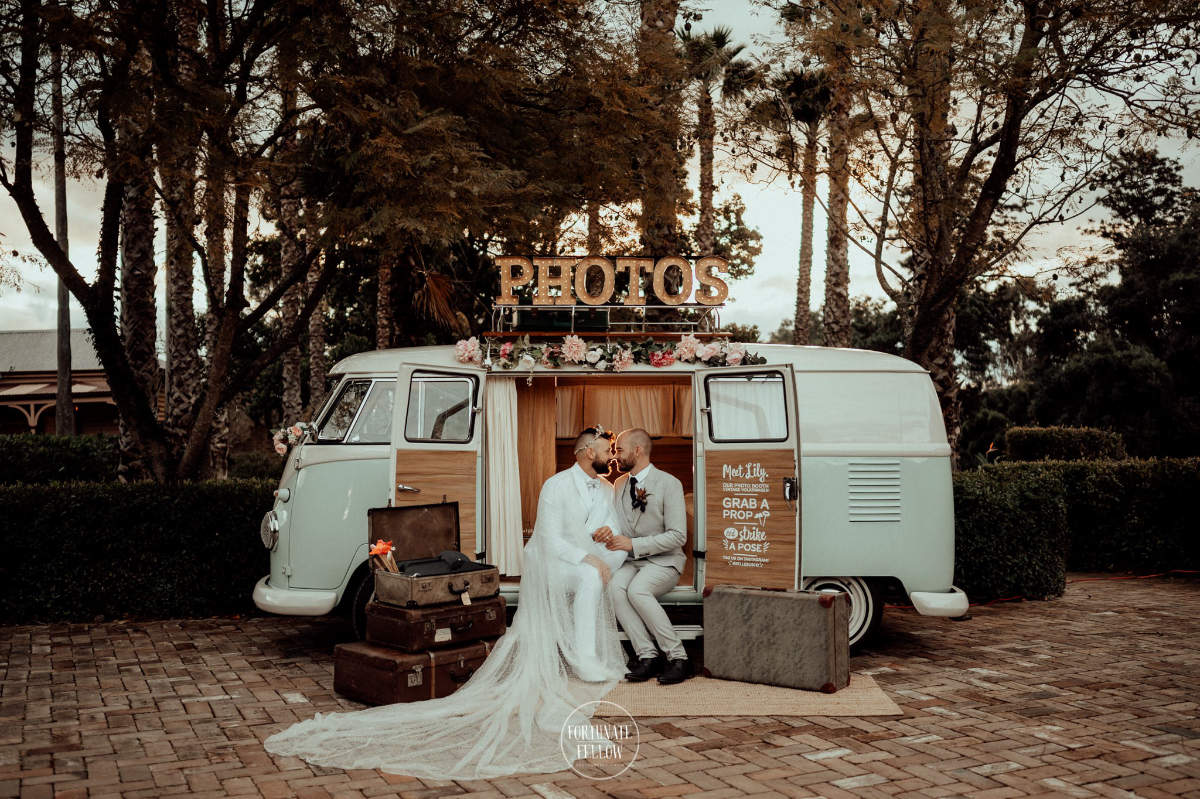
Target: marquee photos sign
{"points": [[565, 280]]}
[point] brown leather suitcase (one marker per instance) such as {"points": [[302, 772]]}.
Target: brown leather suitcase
{"points": [[377, 675], [798, 639], [418, 629], [419, 534]]}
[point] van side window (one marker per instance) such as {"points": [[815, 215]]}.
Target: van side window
{"points": [[440, 408], [746, 407], [374, 422], [339, 419]]}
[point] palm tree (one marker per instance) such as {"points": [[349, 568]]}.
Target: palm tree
{"points": [[807, 97], [712, 61]]}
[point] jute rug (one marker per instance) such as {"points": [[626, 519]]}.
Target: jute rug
{"points": [[705, 696]]}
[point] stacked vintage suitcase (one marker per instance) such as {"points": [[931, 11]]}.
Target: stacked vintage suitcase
{"points": [[430, 626]]}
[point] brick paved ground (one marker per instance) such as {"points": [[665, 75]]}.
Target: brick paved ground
{"points": [[1094, 694]]}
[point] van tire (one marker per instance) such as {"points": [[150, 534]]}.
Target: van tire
{"points": [[866, 604], [358, 595]]}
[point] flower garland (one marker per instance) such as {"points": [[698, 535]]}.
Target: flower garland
{"points": [[574, 351], [290, 436]]}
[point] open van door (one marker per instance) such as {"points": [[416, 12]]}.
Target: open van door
{"points": [[748, 454], [437, 443]]}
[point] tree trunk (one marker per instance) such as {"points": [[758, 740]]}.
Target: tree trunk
{"points": [[138, 306], [594, 232], [808, 178], [837, 261], [659, 73], [178, 170], [318, 364], [64, 404], [216, 222], [384, 323], [706, 132], [291, 252]]}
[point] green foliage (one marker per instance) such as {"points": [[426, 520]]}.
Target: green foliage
{"points": [[74, 551], [1062, 444], [30, 458], [255, 466], [1011, 533], [1020, 526]]}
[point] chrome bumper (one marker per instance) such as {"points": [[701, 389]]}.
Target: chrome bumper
{"points": [[293, 601]]}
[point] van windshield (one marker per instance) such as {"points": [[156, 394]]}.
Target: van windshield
{"points": [[335, 425]]}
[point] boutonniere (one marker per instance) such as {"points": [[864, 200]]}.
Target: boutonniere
{"points": [[639, 501]]}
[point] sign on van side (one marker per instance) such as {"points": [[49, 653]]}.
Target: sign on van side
{"points": [[752, 532], [562, 281]]}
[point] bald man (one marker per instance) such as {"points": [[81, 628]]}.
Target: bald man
{"points": [[653, 519]]}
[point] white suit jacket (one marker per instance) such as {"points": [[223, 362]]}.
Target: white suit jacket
{"points": [[567, 516]]}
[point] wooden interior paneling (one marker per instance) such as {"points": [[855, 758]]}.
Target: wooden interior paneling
{"points": [[536, 415], [442, 476], [752, 476]]}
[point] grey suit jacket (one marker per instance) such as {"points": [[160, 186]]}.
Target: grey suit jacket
{"points": [[660, 531]]}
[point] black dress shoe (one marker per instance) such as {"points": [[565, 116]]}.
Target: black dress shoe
{"points": [[645, 669], [676, 671]]}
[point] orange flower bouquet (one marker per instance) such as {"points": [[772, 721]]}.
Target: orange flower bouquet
{"points": [[382, 552]]}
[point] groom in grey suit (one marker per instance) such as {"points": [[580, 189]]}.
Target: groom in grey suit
{"points": [[653, 519]]}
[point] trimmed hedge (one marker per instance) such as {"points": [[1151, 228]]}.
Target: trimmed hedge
{"points": [[1011, 534], [35, 458], [255, 466], [1020, 526], [1063, 444], [76, 551]]}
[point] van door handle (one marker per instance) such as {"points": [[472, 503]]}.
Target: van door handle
{"points": [[403, 487]]}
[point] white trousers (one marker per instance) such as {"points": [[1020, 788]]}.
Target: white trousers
{"points": [[585, 584]]}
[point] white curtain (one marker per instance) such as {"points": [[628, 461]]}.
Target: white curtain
{"points": [[569, 402], [746, 409], [503, 476]]}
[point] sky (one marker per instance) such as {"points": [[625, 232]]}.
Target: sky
{"points": [[774, 209]]}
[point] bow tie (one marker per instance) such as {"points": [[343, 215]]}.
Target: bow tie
{"points": [[637, 498], [594, 482]]}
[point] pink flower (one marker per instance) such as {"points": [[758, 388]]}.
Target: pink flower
{"points": [[663, 358], [506, 349], [706, 351], [296, 431], [685, 350], [573, 349], [623, 360], [735, 354], [280, 448], [467, 351]]}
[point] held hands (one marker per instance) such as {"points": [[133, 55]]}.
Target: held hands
{"points": [[601, 566], [611, 540]]}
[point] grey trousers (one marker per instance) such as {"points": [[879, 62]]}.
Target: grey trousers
{"points": [[635, 590]]}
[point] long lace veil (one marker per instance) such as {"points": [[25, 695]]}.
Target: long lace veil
{"points": [[506, 719]]}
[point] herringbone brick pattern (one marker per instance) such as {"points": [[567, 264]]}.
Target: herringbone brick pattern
{"points": [[1094, 694]]}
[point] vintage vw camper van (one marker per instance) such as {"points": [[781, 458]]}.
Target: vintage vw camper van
{"points": [[820, 468]]}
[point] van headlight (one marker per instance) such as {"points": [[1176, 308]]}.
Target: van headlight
{"points": [[269, 530]]}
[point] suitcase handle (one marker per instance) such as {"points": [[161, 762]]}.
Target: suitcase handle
{"points": [[460, 675], [457, 591], [462, 628]]}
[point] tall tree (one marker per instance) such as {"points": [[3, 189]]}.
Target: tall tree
{"points": [[712, 62], [660, 161], [64, 403]]}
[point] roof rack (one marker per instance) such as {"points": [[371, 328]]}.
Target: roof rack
{"points": [[611, 320]]}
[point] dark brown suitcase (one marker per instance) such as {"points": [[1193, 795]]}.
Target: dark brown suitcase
{"points": [[418, 629], [377, 675], [799, 639], [419, 533]]}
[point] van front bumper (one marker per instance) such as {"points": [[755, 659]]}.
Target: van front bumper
{"points": [[293, 601], [940, 603]]}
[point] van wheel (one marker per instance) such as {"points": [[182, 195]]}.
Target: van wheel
{"points": [[866, 604], [360, 594]]}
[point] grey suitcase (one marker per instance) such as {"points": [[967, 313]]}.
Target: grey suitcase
{"points": [[797, 639]]}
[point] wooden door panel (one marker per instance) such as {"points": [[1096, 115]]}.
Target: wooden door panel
{"points": [[442, 476], [751, 527]]}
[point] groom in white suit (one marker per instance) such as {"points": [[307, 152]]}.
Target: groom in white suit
{"points": [[575, 508]]}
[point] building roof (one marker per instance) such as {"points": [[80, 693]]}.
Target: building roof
{"points": [[36, 351]]}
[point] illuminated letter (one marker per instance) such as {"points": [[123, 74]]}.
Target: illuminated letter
{"points": [[660, 279], [635, 266], [544, 281], [713, 289], [582, 269], [508, 281]]}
